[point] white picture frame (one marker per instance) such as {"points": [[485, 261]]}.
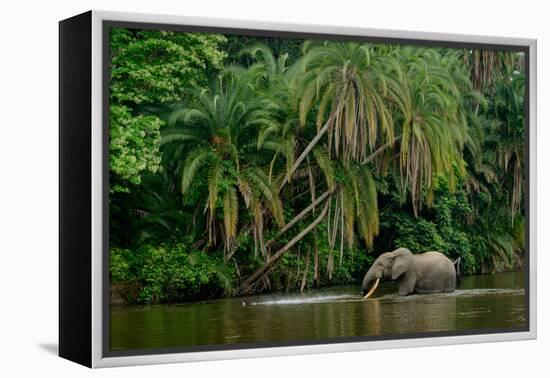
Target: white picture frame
{"points": [[98, 357]]}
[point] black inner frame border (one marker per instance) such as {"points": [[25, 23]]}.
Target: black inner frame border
{"points": [[108, 24]]}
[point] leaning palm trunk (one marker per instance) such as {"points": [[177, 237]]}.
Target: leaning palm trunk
{"points": [[316, 272], [305, 153], [300, 216], [271, 261], [381, 150], [264, 269], [314, 142], [287, 227], [304, 276]]}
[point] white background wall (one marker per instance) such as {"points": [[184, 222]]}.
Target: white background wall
{"points": [[28, 185]]}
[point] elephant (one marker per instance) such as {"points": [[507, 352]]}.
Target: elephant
{"points": [[429, 272]]}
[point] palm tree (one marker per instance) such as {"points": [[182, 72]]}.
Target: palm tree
{"points": [[273, 68], [507, 134], [356, 96], [273, 80], [345, 84], [354, 205], [220, 128], [488, 67], [433, 127]]}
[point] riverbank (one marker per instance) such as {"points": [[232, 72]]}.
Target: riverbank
{"points": [[128, 293]]}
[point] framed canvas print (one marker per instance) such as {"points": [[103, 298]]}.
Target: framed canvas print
{"points": [[233, 189]]}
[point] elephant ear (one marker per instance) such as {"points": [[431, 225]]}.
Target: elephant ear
{"points": [[401, 262]]}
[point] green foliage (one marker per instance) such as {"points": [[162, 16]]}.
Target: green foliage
{"points": [[236, 44], [446, 227], [171, 272], [350, 269], [222, 121], [434, 127], [133, 146], [416, 234], [150, 68], [346, 81], [508, 134], [121, 265]]}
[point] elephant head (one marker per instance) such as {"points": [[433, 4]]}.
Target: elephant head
{"points": [[389, 265]]}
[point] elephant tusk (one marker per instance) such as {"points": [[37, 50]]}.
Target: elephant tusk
{"points": [[372, 289]]}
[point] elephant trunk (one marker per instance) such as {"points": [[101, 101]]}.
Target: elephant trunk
{"points": [[369, 278]]}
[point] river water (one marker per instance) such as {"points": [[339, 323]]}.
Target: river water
{"points": [[480, 303]]}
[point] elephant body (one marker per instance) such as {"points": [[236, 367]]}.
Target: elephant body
{"points": [[429, 272]]}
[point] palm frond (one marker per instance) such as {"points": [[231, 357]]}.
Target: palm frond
{"points": [[325, 163], [195, 160], [230, 215]]}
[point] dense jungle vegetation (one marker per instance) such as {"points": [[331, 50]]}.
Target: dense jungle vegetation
{"points": [[244, 164]]}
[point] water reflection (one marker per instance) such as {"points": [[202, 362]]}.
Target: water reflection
{"points": [[488, 301]]}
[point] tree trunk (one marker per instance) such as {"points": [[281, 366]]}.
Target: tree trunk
{"points": [[380, 149], [275, 257], [304, 277], [305, 153], [316, 275], [235, 245], [300, 216]]}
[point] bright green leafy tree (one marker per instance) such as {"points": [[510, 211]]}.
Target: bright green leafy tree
{"points": [[150, 68]]}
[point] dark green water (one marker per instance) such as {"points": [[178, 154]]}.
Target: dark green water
{"points": [[481, 302]]}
